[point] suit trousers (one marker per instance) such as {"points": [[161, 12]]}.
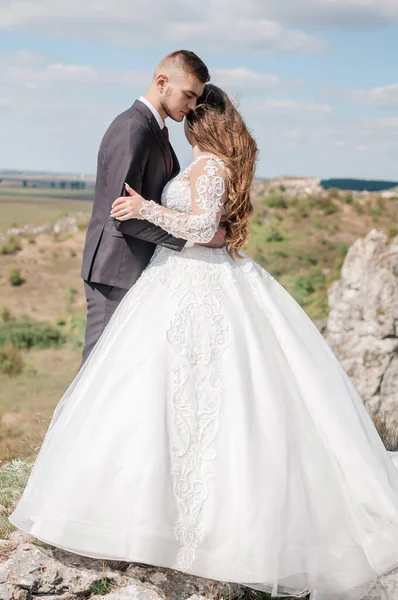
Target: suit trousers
{"points": [[102, 301]]}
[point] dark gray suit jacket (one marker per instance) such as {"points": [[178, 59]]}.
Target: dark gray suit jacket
{"points": [[133, 149]]}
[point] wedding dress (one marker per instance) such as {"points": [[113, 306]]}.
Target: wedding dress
{"points": [[213, 431]]}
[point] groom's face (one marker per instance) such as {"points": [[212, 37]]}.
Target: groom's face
{"points": [[179, 94]]}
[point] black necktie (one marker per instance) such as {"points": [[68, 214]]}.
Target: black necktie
{"points": [[165, 133]]}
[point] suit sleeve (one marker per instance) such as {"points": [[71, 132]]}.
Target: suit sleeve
{"points": [[125, 158]]}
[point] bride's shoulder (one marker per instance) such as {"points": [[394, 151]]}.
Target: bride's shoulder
{"points": [[208, 163]]}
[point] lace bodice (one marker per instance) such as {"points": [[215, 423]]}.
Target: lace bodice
{"points": [[191, 202]]}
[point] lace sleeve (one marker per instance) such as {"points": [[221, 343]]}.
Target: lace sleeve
{"points": [[207, 192]]}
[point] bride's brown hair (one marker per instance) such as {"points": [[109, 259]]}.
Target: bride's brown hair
{"points": [[219, 128]]}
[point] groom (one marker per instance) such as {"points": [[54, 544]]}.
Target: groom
{"points": [[136, 149]]}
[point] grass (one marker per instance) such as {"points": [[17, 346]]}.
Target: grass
{"points": [[313, 232], [12, 246], [28, 400], [302, 242], [32, 206], [13, 479]]}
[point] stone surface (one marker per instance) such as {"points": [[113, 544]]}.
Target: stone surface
{"points": [[28, 570], [65, 225], [362, 327]]}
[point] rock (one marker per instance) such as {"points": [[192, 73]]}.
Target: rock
{"points": [[46, 572], [386, 588], [35, 571], [290, 186], [66, 225], [132, 592], [20, 537], [362, 326], [176, 585]]}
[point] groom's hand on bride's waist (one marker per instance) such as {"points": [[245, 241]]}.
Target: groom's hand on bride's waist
{"points": [[220, 238]]}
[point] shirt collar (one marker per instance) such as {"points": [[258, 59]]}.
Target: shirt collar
{"points": [[153, 110]]}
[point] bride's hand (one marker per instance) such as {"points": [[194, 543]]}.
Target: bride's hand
{"points": [[127, 207]]}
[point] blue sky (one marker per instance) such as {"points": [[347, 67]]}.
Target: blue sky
{"points": [[316, 80]]}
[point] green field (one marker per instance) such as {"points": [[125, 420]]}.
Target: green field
{"points": [[300, 241], [33, 206]]}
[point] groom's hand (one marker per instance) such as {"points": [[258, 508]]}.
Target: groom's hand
{"points": [[220, 238]]}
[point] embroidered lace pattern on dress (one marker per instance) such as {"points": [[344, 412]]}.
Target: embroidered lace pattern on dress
{"points": [[198, 335], [198, 228]]}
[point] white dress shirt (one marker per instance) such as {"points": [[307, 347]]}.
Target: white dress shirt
{"points": [[153, 110]]}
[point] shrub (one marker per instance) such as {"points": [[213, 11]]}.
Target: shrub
{"points": [[334, 228], [11, 362], [83, 225], [392, 231], [318, 278], [333, 193], [275, 201], [280, 253], [60, 321], [325, 205], [25, 333], [317, 223], [14, 277], [70, 295], [303, 285], [348, 198], [273, 234], [310, 260], [12, 246], [358, 208], [61, 236], [76, 331], [304, 208], [6, 314], [342, 248]]}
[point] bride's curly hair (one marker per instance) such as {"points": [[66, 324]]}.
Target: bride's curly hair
{"points": [[219, 128]]}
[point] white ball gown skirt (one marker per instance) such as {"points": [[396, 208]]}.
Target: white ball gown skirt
{"points": [[213, 431]]}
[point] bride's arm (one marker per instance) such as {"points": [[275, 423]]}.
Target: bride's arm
{"points": [[208, 186]]}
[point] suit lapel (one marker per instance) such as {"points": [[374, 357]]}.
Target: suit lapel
{"points": [[154, 125]]}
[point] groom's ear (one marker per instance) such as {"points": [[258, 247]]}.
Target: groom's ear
{"points": [[161, 81]]}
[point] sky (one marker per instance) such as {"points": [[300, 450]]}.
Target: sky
{"points": [[316, 80]]}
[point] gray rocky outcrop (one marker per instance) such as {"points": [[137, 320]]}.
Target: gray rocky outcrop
{"points": [[28, 571], [362, 326]]}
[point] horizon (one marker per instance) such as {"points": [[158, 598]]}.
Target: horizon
{"points": [[92, 176]]}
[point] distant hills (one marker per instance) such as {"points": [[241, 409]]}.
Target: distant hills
{"points": [[358, 185], [47, 179]]}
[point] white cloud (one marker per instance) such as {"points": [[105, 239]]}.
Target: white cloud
{"points": [[242, 80], [383, 97], [177, 22], [345, 14], [54, 115], [288, 110], [33, 72], [274, 25]]}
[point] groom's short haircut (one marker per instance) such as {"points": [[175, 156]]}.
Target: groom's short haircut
{"points": [[190, 62]]}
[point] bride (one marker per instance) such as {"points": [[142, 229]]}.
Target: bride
{"points": [[213, 430]]}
